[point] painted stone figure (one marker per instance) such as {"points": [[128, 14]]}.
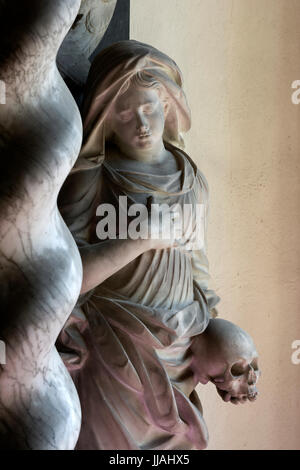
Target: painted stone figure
{"points": [[138, 340]]}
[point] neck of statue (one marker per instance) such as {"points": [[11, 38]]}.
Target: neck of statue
{"points": [[156, 154]]}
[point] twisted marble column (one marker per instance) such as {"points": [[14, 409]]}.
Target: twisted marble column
{"points": [[40, 267]]}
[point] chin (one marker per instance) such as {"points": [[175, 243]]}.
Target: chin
{"points": [[144, 144]]}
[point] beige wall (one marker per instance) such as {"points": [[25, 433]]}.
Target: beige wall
{"points": [[239, 58]]}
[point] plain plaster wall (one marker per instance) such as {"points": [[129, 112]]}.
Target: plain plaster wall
{"points": [[239, 58]]}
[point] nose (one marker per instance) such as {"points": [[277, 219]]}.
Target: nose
{"points": [[141, 122], [252, 378]]}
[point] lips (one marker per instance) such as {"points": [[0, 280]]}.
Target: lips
{"points": [[143, 136]]}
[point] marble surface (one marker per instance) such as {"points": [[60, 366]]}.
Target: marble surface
{"points": [[40, 267], [85, 35]]}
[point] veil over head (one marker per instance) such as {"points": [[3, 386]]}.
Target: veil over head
{"points": [[110, 71]]}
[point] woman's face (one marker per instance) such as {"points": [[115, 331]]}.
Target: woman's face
{"points": [[137, 119]]}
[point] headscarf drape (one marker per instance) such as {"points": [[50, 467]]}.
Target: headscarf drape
{"points": [[110, 70]]}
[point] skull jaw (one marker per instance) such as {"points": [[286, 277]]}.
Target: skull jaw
{"points": [[237, 394]]}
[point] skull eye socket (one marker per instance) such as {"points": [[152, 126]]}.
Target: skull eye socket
{"points": [[237, 370]]}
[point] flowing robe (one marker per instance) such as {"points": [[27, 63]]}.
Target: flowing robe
{"points": [[127, 343]]}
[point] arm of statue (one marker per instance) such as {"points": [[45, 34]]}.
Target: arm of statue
{"points": [[102, 260], [222, 343], [200, 265], [201, 277]]}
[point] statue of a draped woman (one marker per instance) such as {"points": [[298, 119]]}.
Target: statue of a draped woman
{"points": [[130, 343]]}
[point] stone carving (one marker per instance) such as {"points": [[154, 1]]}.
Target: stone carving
{"points": [[143, 334], [86, 33], [41, 271], [226, 355]]}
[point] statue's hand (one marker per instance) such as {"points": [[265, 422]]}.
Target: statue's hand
{"points": [[162, 229], [167, 228]]}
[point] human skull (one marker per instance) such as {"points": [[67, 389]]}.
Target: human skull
{"points": [[238, 383], [232, 361]]}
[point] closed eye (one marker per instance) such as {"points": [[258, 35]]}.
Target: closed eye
{"points": [[125, 115], [148, 108]]}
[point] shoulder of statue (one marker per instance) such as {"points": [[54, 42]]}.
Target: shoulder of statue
{"points": [[198, 173]]}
